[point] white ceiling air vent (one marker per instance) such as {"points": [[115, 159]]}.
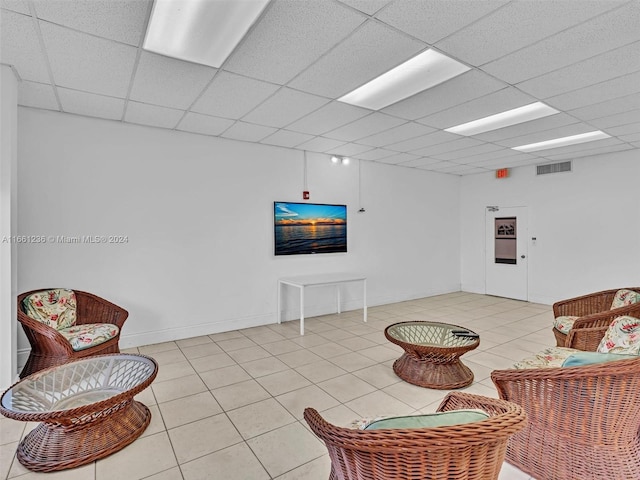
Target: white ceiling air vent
{"points": [[553, 168]]}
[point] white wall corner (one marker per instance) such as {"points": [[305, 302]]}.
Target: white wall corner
{"points": [[8, 224]]}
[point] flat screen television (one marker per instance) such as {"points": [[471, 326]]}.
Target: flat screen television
{"points": [[303, 228]]}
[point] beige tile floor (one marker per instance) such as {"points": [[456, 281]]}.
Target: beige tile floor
{"points": [[229, 406]]}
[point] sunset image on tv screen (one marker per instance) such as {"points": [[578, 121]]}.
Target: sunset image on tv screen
{"points": [[302, 228]]}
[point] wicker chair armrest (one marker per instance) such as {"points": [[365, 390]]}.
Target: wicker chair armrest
{"points": [[38, 330], [587, 331], [585, 339], [94, 309], [604, 318], [551, 396], [462, 400], [584, 304]]}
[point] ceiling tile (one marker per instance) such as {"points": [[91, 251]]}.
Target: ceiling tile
{"points": [[537, 125], [423, 141], [152, 115], [204, 124], [369, 125], [433, 20], [168, 82], [515, 160], [398, 158], [289, 37], [83, 62], [634, 137], [349, 149], [465, 170], [37, 95], [286, 138], [460, 89], [600, 92], [490, 104], [20, 47], [331, 116], [19, 6], [248, 132], [371, 51], [435, 167], [518, 25], [284, 107], [590, 152], [600, 68], [459, 144], [467, 152], [612, 107], [119, 20], [420, 162], [624, 129], [489, 156], [320, 144], [567, 130], [616, 120], [90, 104], [606, 32], [367, 6], [375, 154], [579, 148], [396, 134], [233, 96]]}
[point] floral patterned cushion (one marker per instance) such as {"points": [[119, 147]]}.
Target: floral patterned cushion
{"points": [[622, 336], [625, 297], [90, 334], [55, 308], [564, 324], [548, 358]]}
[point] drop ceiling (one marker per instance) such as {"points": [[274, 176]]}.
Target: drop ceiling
{"points": [[280, 85]]}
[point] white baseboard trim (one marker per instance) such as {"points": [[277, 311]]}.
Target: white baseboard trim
{"points": [[542, 299], [479, 288], [181, 332]]}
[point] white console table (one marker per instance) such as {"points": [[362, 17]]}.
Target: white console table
{"points": [[305, 281]]}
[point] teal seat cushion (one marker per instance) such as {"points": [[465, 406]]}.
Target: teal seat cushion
{"points": [[440, 419], [590, 358]]}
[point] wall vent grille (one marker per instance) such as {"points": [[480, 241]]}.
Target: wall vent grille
{"points": [[553, 168]]}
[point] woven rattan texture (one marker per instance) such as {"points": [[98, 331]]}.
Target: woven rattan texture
{"points": [[595, 312], [473, 451], [50, 348], [583, 421], [433, 361], [86, 407]]}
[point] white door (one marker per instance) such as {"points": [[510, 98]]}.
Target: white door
{"points": [[506, 250]]}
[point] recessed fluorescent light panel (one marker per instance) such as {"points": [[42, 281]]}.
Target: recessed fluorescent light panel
{"points": [[504, 119], [563, 141], [200, 31], [423, 71]]}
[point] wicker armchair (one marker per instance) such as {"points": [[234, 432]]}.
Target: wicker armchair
{"points": [[595, 312], [49, 347], [472, 451], [582, 421]]}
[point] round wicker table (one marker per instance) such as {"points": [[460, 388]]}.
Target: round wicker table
{"points": [[86, 407], [432, 353]]}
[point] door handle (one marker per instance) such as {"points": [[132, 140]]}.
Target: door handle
{"points": [[522, 256]]}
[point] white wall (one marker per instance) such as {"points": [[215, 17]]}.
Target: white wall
{"points": [[8, 224], [198, 214], [586, 225]]}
